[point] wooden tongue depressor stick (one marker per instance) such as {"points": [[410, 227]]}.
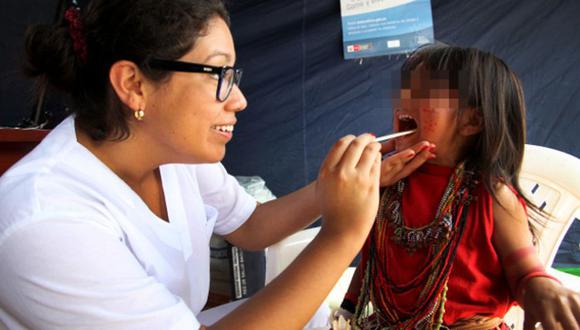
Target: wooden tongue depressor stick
{"points": [[394, 135]]}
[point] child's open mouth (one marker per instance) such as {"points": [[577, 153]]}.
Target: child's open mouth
{"points": [[406, 123]]}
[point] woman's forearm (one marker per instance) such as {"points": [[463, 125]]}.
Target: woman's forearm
{"points": [[277, 219], [291, 299]]}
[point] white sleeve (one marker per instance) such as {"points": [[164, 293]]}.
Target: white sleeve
{"points": [[223, 192], [63, 275]]}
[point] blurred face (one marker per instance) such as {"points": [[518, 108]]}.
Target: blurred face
{"points": [[430, 107], [184, 121]]}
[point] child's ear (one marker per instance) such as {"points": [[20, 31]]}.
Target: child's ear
{"points": [[471, 122]]}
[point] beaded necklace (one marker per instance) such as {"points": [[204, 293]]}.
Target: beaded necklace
{"points": [[440, 237]]}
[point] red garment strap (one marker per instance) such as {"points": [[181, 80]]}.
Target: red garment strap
{"points": [[536, 273]]}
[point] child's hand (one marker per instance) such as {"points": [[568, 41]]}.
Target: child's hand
{"points": [[548, 302], [399, 165]]}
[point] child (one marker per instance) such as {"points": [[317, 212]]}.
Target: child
{"points": [[451, 245]]}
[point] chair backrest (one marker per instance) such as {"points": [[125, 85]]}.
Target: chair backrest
{"points": [[551, 179]]}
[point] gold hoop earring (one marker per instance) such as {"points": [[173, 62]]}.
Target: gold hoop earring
{"points": [[139, 114]]}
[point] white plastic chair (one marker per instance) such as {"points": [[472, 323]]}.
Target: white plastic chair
{"points": [[281, 254], [551, 179]]}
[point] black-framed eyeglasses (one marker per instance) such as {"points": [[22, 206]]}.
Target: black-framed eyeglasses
{"points": [[227, 75]]}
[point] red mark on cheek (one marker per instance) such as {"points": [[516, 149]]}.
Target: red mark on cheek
{"points": [[429, 126], [430, 122]]}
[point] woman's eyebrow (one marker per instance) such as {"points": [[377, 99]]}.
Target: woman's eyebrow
{"points": [[219, 53]]}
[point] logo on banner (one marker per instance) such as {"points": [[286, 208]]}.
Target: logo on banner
{"points": [[358, 47]]}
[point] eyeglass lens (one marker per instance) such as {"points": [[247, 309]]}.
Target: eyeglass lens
{"points": [[230, 77], [227, 84]]}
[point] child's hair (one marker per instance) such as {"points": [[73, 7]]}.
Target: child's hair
{"points": [[109, 31], [485, 83]]}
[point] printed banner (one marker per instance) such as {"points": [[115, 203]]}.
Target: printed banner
{"points": [[383, 27]]}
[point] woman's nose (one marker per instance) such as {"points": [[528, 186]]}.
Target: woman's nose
{"points": [[236, 101]]}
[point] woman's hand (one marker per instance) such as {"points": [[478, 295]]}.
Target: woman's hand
{"points": [[548, 302], [401, 164], [348, 186]]}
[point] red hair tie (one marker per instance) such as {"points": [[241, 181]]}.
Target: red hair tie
{"points": [[73, 17]]}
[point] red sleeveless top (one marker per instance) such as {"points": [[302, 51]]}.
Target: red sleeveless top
{"points": [[477, 284]]}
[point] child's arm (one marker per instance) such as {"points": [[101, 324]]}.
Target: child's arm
{"points": [[351, 297], [540, 295]]}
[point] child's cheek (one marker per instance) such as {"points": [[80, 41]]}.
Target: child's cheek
{"points": [[429, 124]]}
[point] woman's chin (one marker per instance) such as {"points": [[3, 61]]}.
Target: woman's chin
{"points": [[217, 157], [213, 156]]}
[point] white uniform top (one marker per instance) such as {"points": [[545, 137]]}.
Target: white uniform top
{"points": [[80, 249]]}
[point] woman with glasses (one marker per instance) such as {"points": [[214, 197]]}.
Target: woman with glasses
{"points": [[106, 224]]}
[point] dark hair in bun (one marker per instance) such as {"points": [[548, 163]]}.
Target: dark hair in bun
{"points": [[113, 30]]}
